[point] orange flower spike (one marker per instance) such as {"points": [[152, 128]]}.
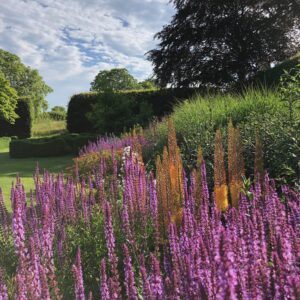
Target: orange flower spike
{"points": [[221, 190], [232, 152]]}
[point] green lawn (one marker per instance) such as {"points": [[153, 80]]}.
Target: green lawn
{"points": [[25, 167], [46, 127]]}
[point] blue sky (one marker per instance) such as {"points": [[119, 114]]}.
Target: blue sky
{"points": [[69, 41]]}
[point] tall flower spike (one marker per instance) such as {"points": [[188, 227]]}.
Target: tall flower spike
{"points": [[235, 163], [146, 284], [221, 190], [104, 285], [113, 259], [156, 279], [3, 288], [131, 291], [78, 278], [35, 285]]}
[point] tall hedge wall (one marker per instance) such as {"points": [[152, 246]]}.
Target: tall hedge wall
{"points": [[23, 125], [161, 102]]}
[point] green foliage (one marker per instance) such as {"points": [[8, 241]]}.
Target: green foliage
{"points": [[87, 163], [290, 91], [116, 112], [143, 104], [90, 238], [113, 80], [271, 76], [8, 100], [197, 120], [147, 84], [57, 115], [51, 146], [58, 109], [222, 43], [26, 81], [23, 124]]}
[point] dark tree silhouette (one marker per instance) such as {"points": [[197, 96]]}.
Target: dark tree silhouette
{"points": [[223, 42]]}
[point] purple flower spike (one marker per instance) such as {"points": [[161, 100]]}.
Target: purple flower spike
{"points": [[131, 291], [104, 286], [78, 277], [3, 288], [156, 281]]}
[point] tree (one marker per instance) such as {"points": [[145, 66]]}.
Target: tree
{"points": [[8, 100], [113, 80], [220, 43], [26, 81], [147, 84], [58, 109]]}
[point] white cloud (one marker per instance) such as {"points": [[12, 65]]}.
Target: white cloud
{"points": [[69, 41]]}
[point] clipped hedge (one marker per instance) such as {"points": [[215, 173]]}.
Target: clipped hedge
{"points": [[78, 107], [161, 103], [23, 125], [51, 146]]}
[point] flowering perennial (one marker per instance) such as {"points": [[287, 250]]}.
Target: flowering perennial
{"points": [[211, 251]]}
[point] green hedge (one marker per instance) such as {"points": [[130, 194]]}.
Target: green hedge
{"points": [[51, 146], [23, 125], [161, 102]]}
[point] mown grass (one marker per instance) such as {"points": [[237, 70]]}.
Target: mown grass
{"points": [[10, 168], [46, 127]]}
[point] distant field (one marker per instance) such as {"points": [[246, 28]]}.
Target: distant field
{"points": [[9, 168], [45, 127]]}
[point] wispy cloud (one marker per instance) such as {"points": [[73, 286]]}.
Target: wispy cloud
{"points": [[69, 41]]}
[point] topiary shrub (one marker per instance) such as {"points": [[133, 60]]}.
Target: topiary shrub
{"points": [[79, 105], [23, 125], [46, 147]]}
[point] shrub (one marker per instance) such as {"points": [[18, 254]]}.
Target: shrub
{"points": [[88, 163], [51, 146], [23, 125], [197, 120], [138, 106]]}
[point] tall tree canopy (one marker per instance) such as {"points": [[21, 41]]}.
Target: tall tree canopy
{"points": [[26, 81], [223, 42], [113, 80], [8, 100]]}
